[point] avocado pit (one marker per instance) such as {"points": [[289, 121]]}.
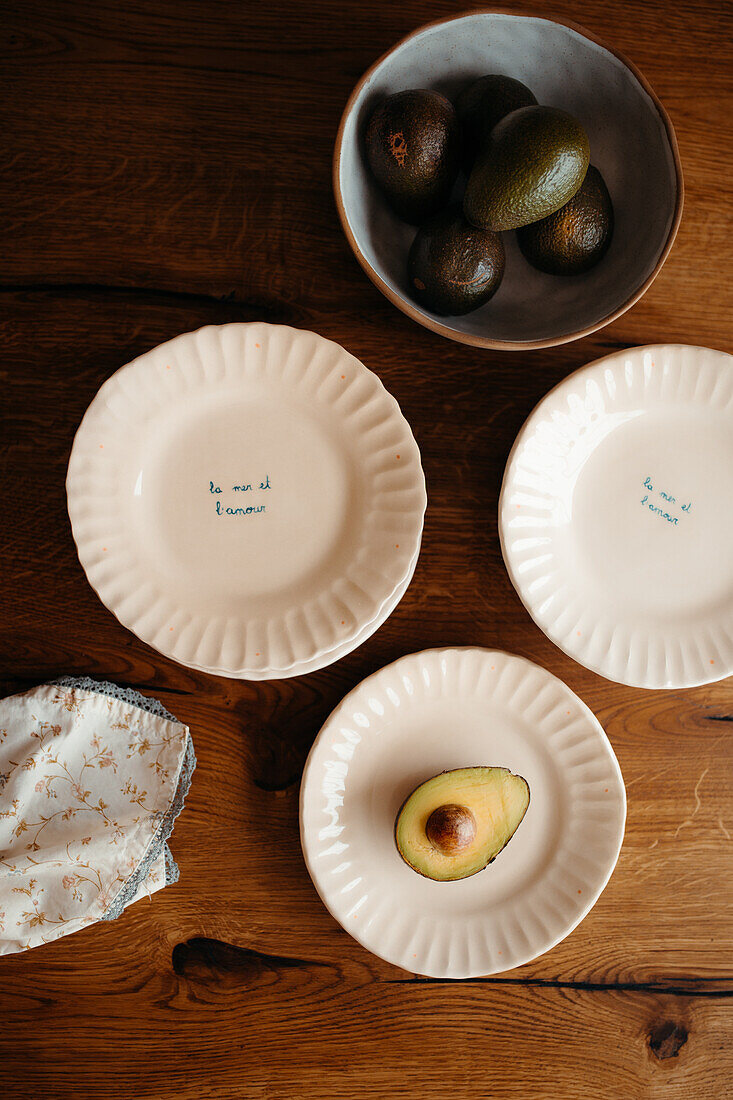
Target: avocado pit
{"points": [[451, 828]]}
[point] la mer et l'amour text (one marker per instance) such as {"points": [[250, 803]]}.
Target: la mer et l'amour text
{"points": [[667, 498], [246, 487]]}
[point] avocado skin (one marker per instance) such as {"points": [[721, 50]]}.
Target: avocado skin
{"points": [[413, 148], [453, 267], [574, 238], [481, 105], [534, 163]]}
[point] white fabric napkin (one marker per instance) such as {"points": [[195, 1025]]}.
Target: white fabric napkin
{"points": [[92, 777]]}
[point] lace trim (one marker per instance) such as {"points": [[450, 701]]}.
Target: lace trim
{"points": [[162, 833], [172, 874], [158, 842], [125, 695]]}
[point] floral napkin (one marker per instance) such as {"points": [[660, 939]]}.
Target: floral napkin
{"points": [[92, 777]]}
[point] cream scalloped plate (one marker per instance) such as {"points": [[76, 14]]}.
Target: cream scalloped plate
{"points": [[616, 516], [246, 498], [452, 708]]}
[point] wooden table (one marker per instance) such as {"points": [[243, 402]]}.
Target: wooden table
{"points": [[167, 165]]}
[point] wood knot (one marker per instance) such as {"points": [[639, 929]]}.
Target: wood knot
{"points": [[667, 1039], [201, 957]]}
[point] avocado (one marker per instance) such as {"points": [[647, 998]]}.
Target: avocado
{"points": [[413, 148], [456, 823], [534, 163], [481, 105], [452, 266], [575, 237]]}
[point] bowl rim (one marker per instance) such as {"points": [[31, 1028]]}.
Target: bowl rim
{"points": [[407, 306]]}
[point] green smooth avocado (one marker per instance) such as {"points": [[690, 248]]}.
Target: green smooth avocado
{"points": [[534, 163], [481, 105], [456, 823], [574, 238], [413, 148], [454, 267]]}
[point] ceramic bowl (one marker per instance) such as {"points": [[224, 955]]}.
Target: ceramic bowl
{"points": [[632, 143]]}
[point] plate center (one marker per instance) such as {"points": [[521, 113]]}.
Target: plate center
{"points": [[652, 523], [243, 497]]}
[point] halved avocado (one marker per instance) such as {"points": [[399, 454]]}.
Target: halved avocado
{"points": [[456, 823]]}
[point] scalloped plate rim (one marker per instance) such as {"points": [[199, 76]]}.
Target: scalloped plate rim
{"points": [[325, 660]]}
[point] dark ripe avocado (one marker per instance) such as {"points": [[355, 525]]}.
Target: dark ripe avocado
{"points": [[481, 105], [534, 163], [454, 267], [456, 823], [413, 149], [575, 237]]}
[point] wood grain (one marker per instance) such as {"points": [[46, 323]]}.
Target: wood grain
{"points": [[165, 166], [325, 1036]]}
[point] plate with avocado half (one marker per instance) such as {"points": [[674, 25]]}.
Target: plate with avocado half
{"points": [[461, 811]]}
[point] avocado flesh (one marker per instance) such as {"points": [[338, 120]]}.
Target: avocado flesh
{"points": [[453, 267], [496, 798], [577, 236], [413, 147], [535, 162], [482, 105]]}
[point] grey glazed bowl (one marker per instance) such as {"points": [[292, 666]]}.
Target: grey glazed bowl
{"points": [[632, 143]]}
